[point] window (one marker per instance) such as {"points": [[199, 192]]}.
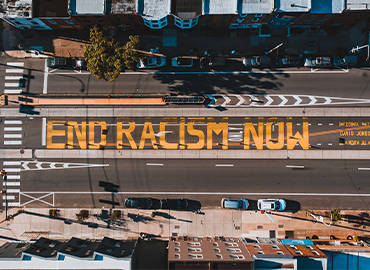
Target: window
{"points": [[255, 19], [217, 250], [234, 250], [280, 252], [257, 246], [236, 257], [177, 249], [98, 258], [231, 244], [218, 256], [315, 252], [215, 244], [275, 247], [194, 250], [260, 252], [298, 252], [195, 256], [177, 256], [293, 246], [193, 244], [309, 247], [177, 244]]}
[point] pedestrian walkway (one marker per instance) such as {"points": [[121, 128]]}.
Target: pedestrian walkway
{"points": [[13, 78], [35, 222], [12, 184]]}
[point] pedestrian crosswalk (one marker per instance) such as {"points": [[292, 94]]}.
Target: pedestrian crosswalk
{"points": [[12, 183], [14, 78], [12, 132]]}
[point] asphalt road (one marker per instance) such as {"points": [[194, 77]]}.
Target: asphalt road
{"points": [[333, 184], [325, 82]]}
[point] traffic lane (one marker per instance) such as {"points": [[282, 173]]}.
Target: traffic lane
{"points": [[208, 183], [324, 133]]}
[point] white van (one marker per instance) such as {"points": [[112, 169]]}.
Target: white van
{"points": [[228, 203]]}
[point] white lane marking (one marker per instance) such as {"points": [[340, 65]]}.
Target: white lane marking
{"points": [[298, 124], [14, 70], [12, 128], [330, 143], [43, 134], [319, 124], [9, 197], [12, 84], [18, 64], [13, 78], [209, 193], [12, 142], [154, 164], [12, 136], [295, 166], [330, 124], [327, 100], [12, 163], [364, 169], [224, 165], [15, 91], [15, 204], [13, 122], [46, 74], [11, 183], [318, 143], [12, 170], [14, 177]]}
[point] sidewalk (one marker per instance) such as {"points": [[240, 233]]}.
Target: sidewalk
{"points": [[35, 223]]}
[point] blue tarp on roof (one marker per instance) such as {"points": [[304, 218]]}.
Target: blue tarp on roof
{"points": [[296, 242]]}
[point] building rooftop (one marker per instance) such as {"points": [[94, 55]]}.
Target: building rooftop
{"points": [[50, 8], [220, 7], [116, 248], [186, 9], [13, 250], [154, 9], [293, 5], [87, 6], [79, 248], [268, 249], [45, 247], [123, 6], [17, 9], [358, 4], [327, 6], [255, 6]]}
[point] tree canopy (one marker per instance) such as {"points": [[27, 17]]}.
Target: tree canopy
{"points": [[106, 58]]}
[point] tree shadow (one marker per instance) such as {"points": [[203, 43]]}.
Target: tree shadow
{"points": [[139, 218]]}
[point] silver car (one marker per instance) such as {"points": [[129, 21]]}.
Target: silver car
{"points": [[317, 62], [229, 203], [271, 204], [256, 61]]}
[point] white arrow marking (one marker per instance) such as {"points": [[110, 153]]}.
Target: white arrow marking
{"points": [[284, 100], [52, 166], [227, 100], [313, 100], [327, 100], [159, 134], [25, 165], [299, 100], [241, 100], [38, 165], [65, 165], [269, 100]]}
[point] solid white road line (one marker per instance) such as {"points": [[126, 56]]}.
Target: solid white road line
{"points": [[14, 70], [12, 170], [18, 64], [12, 163], [43, 134], [12, 84], [11, 183], [154, 164], [224, 165], [13, 122], [295, 166], [13, 78], [15, 91], [13, 177], [46, 74], [13, 136], [12, 142], [364, 169], [12, 128]]}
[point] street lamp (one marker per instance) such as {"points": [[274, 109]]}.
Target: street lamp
{"points": [[353, 50], [281, 44], [3, 173]]}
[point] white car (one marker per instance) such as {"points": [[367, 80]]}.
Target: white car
{"points": [[317, 62], [271, 204], [151, 62], [182, 62], [240, 204]]}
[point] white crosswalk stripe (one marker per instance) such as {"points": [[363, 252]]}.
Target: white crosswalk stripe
{"points": [[18, 78], [15, 91], [14, 70], [12, 196], [13, 131]]}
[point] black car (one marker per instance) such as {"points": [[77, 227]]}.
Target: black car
{"points": [[177, 204], [290, 61], [144, 203]]}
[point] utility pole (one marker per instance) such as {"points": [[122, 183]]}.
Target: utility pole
{"points": [[3, 173], [275, 48]]}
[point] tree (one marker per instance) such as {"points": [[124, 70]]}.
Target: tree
{"points": [[105, 58]]}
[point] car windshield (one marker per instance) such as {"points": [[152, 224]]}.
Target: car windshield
{"points": [[183, 61], [151, 61], [277, 205], [240, 204]]}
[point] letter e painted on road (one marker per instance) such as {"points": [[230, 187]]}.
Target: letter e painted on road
{"points": [[81, 135], [292, 140], [217, 129], [257, 138], [103, 135], [54, 133], [127, 132]]}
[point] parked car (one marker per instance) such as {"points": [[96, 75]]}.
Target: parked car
{"points": [[257, 61], [349, 60], [79, 63], [211, 62], [289, 60], [271, 204], [178, 204], [317, 62], [144, 203], [54, 62], [182, 62], [229, 203], [151, 62]]}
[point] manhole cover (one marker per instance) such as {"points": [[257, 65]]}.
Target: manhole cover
{"points": [[21, 151]]}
